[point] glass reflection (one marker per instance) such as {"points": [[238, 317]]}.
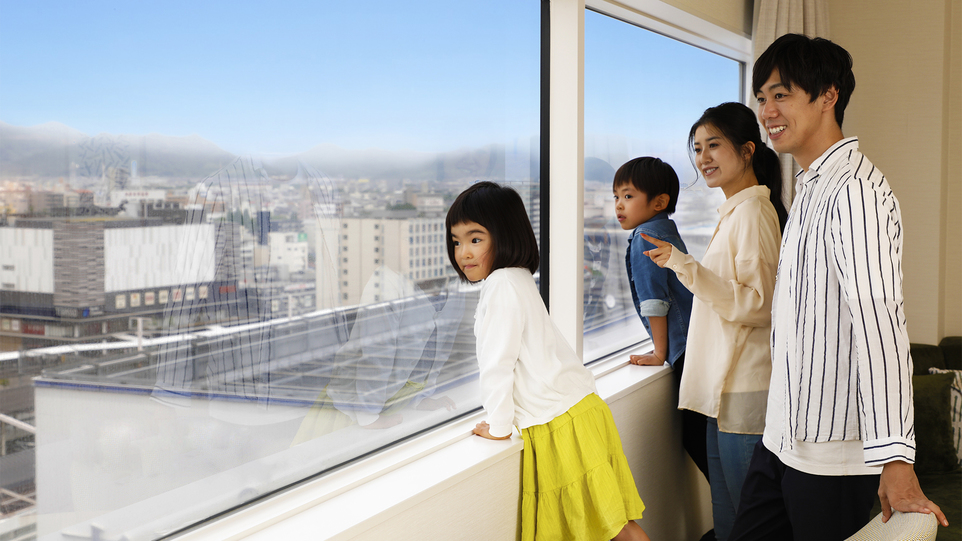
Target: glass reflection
{"points": [[189, 322]]}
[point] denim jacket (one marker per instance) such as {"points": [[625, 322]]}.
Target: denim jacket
{"points": [[656, 291]]}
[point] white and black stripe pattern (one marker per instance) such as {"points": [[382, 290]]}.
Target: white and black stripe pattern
{"points": [[839, 339]]}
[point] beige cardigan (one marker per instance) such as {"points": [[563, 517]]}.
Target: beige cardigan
{"points": [[728, 359]]}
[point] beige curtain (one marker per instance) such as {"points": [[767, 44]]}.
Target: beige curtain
{"points": [[774, 18]]}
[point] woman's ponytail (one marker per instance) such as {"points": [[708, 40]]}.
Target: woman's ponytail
{"points": [[768, 171]]}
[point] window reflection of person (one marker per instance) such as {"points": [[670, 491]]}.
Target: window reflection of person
{"points": [[375, 371], [399, 343], [237, 361]]}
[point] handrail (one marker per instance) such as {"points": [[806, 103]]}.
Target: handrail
{"points": [[18, 423]]}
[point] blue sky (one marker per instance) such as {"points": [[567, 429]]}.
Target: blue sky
{"points": [[643, 91], [281, 78]]}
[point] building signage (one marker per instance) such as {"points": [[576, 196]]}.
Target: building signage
{"points": [[62, 311], [34, 328]]}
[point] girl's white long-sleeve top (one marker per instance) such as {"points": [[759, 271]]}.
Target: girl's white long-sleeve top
{"points": [[728, 362], [529, 374]]}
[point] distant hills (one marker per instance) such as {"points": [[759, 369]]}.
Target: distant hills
{"points": [[54, 150]]}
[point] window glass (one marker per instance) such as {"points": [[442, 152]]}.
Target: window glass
{"points": [[193, 312], [643, 91]]}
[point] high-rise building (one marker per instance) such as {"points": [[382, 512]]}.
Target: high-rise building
{"points": [[78, 279], [410, 246]]}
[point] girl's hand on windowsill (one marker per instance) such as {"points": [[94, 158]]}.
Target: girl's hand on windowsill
{"points": [[482, 430]]}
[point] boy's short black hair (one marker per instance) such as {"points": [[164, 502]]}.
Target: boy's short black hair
{"points": [[812, 64], [500, 210], [651, 176]]}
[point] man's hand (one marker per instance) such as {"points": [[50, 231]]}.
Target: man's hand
{"points": [[482, 430], [899, 489], [661, 253]]}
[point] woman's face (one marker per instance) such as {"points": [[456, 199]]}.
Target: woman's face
{"points": [[473, 250], [721, 165]]}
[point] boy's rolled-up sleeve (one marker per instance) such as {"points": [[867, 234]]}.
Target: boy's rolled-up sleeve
{"points": [[651, 281]]}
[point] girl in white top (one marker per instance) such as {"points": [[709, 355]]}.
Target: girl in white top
{"points": [[575, 478], [728, 360]]}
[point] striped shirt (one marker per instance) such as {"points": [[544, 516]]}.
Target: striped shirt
{"points": [[841, 370]]}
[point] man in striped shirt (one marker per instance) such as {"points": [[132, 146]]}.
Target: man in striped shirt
{"points": [[840, 424]]}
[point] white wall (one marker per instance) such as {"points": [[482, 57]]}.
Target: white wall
{"points": [[30, 252], [146, 257], [292, 255], [484, 504], [906, 113]]}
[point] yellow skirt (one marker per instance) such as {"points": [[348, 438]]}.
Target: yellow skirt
{"points": [[576, 482]]}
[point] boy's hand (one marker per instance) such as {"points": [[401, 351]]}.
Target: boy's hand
{"points": [[482, 430], [648, 359], [661, 253]]}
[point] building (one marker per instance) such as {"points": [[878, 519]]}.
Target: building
{"points": [[67, 280], [289, 251], [410, 246]]}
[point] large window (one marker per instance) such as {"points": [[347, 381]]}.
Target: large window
{"points": [[643, 91], [222, 243]]}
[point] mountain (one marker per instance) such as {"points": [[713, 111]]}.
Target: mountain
{"points": [[55, 150], [487, 162], [598, 169]]}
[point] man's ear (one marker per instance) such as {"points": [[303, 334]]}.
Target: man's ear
{"points": [[829, 99], [661, 202]]}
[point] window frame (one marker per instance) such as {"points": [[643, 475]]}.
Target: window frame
{"points": [[561, 212], [673, 23]]}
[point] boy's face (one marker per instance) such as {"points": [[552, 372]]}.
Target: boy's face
{"points": [[633, 208], [793, 121]]}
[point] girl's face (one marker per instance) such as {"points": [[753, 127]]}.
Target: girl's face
{"points": [[721, 165], [473, 250]]}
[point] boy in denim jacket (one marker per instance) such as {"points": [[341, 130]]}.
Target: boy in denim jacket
{"points": [[646, 190]]}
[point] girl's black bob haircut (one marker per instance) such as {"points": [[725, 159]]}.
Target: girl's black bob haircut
{"points": [[498, 209]]}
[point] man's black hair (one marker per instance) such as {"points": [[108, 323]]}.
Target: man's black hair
{"points": [[813, 64]]}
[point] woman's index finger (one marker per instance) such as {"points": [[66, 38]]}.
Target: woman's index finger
{"points": [[653, 240]]}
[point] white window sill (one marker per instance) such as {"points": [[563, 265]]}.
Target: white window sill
{"points": [[341, 504]]}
